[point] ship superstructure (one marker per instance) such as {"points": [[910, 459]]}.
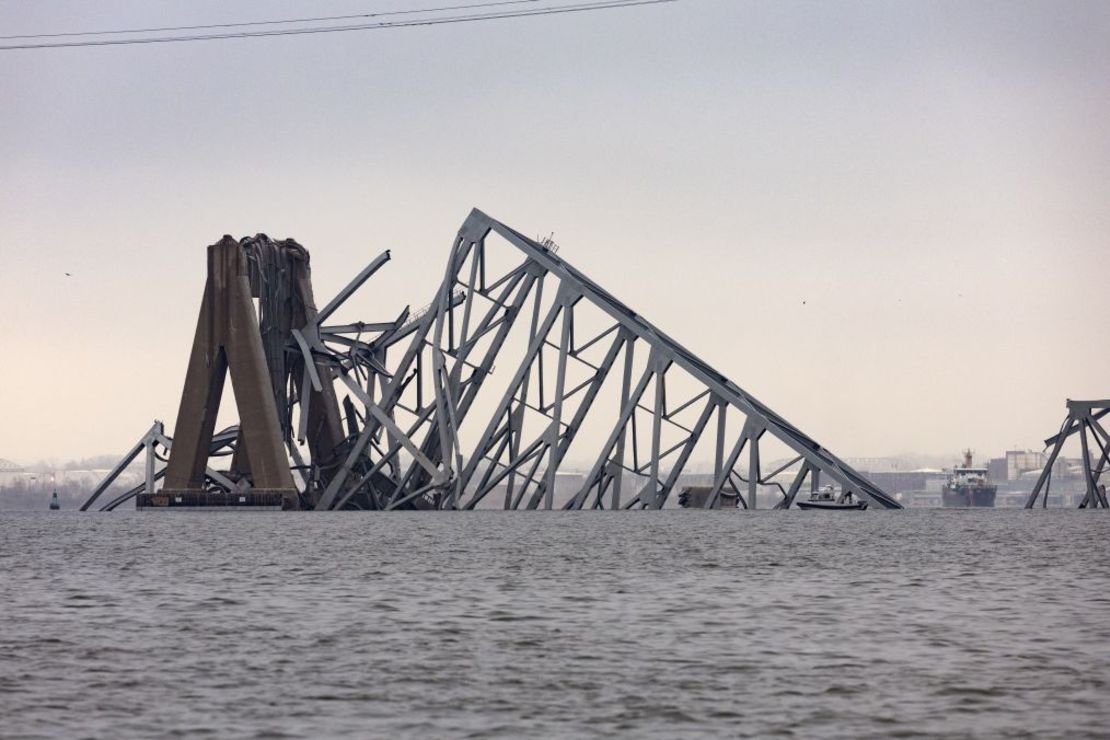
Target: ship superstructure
{"points": [[968, 486]]}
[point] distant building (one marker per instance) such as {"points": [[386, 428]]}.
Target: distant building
{"points": [[996, 469], [873, 464], [910, 480], [1018, 462]]}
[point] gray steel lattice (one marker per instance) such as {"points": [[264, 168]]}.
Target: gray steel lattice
{"points": [[1082, 419], [412, 388]]}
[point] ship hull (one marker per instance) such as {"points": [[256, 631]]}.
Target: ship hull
{"points": [[832, 505], [965, 497]]}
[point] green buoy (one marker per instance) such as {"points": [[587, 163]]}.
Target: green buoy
{"points": [[54, 505]]}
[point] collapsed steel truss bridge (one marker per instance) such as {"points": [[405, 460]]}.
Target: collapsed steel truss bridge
{"points": [[389, 414], [1082, 419]]}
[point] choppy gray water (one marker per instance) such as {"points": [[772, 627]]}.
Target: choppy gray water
{"points": [[581, 624]]}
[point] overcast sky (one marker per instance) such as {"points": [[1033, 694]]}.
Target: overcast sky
{"points": [[931, 179]]}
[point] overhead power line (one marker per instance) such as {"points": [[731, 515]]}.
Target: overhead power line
{"points": [[577, 7], [283, 21]]}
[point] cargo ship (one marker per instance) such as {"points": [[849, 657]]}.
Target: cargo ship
{"points": [[968, 486]]}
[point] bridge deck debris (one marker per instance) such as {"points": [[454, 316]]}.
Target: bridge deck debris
{"points": [[475, 401]]}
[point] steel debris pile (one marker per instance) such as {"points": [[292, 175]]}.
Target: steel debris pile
{"points": [[475, 401]]}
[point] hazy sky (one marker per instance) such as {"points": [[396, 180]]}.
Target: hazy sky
{"points": [[932, 179]]}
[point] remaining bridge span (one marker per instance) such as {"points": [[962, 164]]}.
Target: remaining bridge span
{"points": [[1083, 419]]}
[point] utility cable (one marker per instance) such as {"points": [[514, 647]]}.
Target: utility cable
{"points": [[318, 19], [385, 25]]}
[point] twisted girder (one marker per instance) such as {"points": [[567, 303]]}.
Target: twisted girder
{"points": [[451, 352]]}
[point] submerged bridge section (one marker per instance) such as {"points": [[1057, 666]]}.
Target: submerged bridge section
{"points": [[520, 364]]}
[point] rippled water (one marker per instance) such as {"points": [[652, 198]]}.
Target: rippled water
{"points": [[582, 624]]}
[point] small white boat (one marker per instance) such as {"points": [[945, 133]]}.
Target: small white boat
{"points": [[825, 498]]}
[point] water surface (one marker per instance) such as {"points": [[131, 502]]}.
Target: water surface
{"points": [[664, 624]]}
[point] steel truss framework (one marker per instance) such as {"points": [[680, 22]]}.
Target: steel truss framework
{"points": [[1083, 419], [416, 432], [156, 446]]}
